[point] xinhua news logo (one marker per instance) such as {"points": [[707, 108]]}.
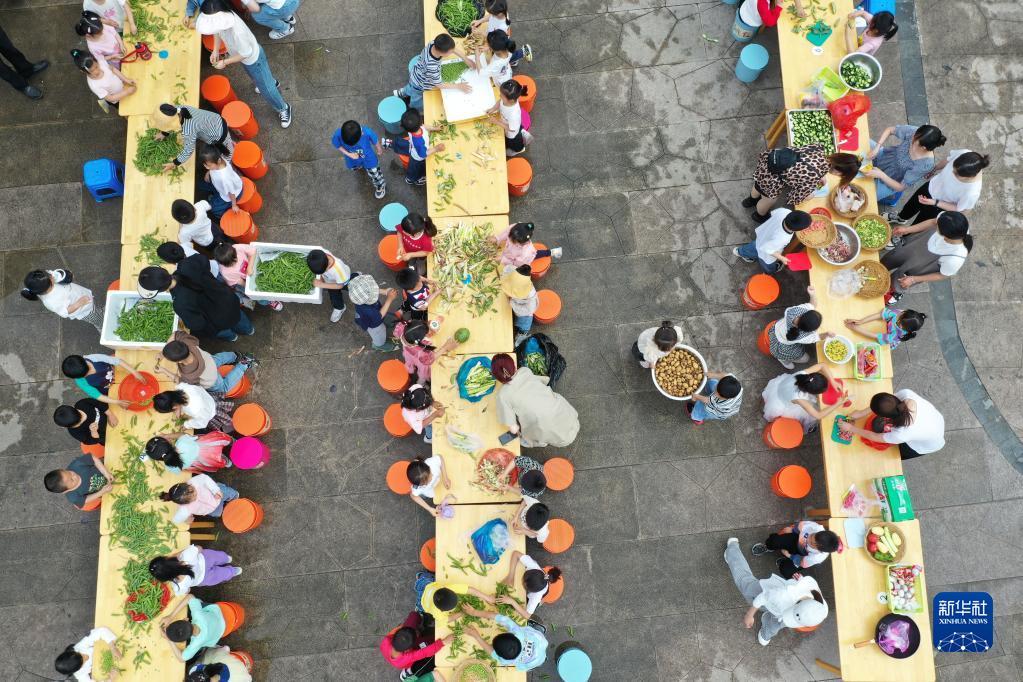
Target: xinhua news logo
{"points": [[963, 622]]}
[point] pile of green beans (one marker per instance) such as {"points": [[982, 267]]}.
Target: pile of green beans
{"points": [[148, 243], [450, 73], [151, 154], [146, 321], [457, 15], [285, 274]]}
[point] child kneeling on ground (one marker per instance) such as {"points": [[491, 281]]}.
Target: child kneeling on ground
{"points": [[802, 545]]}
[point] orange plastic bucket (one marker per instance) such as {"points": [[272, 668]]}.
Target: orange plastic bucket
{"points": [[245, 657], [139, 393], [554, 590], [242, 515], [783, 434], [761, 291], [561, 536], [559, 473], [240, 119], [540, 265], [527, 100], [520, 176], [250, 200], [115, 285], [397, 478], [217, 90], [92, 506], [251, 419], [764, 339], [404, 160], [395, 423], [792, 481], [393, 377], [387, 249], [428, 555], [207, 42], [234, 616], [241, 388], [549, 308], [239, 226], [249, 159], [96, 450]]}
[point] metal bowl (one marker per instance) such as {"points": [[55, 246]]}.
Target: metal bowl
{"points": [[703, 364], [848, 234], [868, 62]]}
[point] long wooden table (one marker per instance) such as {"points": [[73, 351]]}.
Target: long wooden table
{"points": [[173, 79]]}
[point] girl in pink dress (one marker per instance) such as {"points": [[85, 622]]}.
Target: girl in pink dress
{"points": [[418, 354], [204, 453], [103, 41]]}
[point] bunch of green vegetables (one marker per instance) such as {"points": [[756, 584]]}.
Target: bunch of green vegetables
{"points": [[285, 274], [146, 595], [148, 243], [105, 663], [813, 126], [145, 321], [873, 233], [479, 381], [466, 266], [150, 27], [452, 71], [505, 590], [463, 566], [444, 189], [819, 13], [445, 131], [151, 154], [537, 363], [457, 15]]}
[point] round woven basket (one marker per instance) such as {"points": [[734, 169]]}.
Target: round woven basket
{"points": [[818, 238], [880, 219], [460, 670], [879, 279], [846, 214]]}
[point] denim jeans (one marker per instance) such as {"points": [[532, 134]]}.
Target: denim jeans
{"points": [[265, 81], [229, 494], [218, 206], [750, 251], [750, 588], [243, 328], [275, 18], [415, 96], [523, 323], [226, 383], [700, 412], [416, 168]]}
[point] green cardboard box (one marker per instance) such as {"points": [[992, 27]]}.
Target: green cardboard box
{"points": [[893, 493]]}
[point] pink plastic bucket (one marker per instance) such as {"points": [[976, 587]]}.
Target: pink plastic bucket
{"points": [[249, 453]]}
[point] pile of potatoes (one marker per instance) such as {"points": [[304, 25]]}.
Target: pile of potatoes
{"points": [[679, 373]]}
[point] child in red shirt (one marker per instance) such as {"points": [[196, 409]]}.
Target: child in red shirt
{"points": [[415, 240], [411, 642]]}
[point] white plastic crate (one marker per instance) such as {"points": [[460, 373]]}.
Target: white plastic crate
{"points": [[116, 302], [315, 296]]}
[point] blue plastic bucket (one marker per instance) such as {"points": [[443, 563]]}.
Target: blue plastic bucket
{"points": [[752, 62], [389, 112]]}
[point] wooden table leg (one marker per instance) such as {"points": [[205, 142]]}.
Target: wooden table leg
{"points": [[775, 131], [203, 536]]}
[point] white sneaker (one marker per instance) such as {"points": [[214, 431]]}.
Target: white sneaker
{"points": [[761, 639], [735, 252], [787, 365], [556, 253], [731, 540], [285, 117], [292, 20], [380, 193], [277, 35], [427, 439], [335, 314], [276, 305]]}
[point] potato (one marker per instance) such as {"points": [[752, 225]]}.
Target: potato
{"points": [[679, 373]]}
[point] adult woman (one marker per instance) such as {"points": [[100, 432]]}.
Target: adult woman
{"points": [[956, 187], [528, 406], [56, 290], [656, 342], [801, 169], [194, 124], [795, 331], [794, 396], [216, 18], [899, 167], [198, 408], [917, 427], [105, 81], [930, 254]]}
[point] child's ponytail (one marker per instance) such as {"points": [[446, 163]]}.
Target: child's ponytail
{"points": [[512, 89], [553, 575], [83, 60], [883, 24], [89, 25], [520, 233]]}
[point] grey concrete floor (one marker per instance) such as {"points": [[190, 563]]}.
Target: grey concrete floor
{"points": [[645, 143]]}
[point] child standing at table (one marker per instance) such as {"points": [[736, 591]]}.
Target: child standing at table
{"points": [[417, 351], [517, 285], [78, 659], [419, 410], [881, 28], [424, 474], [424, 74], [333, 275], [519, 248], [415, 240], [497, 20], [194, 226], [531, 519], [94, 374], [522, 646], [415, 145], [529, 473], [499, 67], [900, 325], [360, 147], [116, 13], [235, 262], [418, 292], [508, 114], [221, 181], [103, 41]]}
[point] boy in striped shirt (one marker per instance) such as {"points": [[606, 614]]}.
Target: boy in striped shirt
{"points": [[425, 73]]}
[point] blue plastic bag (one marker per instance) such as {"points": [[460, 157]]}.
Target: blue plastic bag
{"points": [[463, 374], [491, 540]]}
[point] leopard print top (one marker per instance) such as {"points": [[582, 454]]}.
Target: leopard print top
{"points": [[802, 179]]}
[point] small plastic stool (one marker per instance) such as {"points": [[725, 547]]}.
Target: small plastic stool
{"points": [[764, 339], [559, 473], [234, 616], [561, 536], [245, 657], [783, 434], [792, 482], [241, 388], [395, 423], [540, 266], [114, 286], [397, 478], [752, 62], [554, 590], [389, 112], [761, 291], [742, 30], [92, 506], [391, 216], [529, 99], [240, 119], [809, 628], [249, 452], [573, 664], [242, 515], [249, 159], [104, 178], [520, 176], [207, 42], [251, 419], [549, 308], [387, 249], [96, 450], [217, 91], [428, 555], [393, 377], [239, 226], [250, 200]]}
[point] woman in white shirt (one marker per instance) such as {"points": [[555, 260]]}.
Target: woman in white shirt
{"points": [[956, 187], [56, 290], [536, 580], [918, 428], [936, 249], [77, 659], [200, 410], [106, 81], [656, 342]]}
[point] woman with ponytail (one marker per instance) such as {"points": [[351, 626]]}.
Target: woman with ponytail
{"points": [[934, 250], [900, 167], [536, 580], [798, 329], [56, 290], [103, 41], [656, 342], [915, 425], [796, 396], [956, 187]]}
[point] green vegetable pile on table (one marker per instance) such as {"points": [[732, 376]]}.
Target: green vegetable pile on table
{"points": [[537, 363], [148, 243], [873, 233], [151, 154], [457, 16], [285, 274], [466, 266], [145, 321], [151, 28], [451, 72], [479, 381], [106, 663], [856, 76], [813, 126]]}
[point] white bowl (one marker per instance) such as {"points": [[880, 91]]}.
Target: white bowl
{"points": [[703, 364], [850, 349], [868, 62], [844, 231]]}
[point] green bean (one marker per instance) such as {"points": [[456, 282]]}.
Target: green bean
{"points": [[285, 274], [148, 244], [151, 154], [146, 321], [457, 15]]}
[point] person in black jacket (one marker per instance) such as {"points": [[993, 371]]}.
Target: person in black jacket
{"points": [[207, 306]]}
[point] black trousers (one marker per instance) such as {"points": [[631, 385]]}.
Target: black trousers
{"points": [[788, 542], [22, 68], [913, 207], [906, 452]]}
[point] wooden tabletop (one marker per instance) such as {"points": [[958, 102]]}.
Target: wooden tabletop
{"points": [[858, 580], [489, 333], [174, 80]]}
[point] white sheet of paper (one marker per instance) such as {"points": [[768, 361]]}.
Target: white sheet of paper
{"points": [[461, 106]]}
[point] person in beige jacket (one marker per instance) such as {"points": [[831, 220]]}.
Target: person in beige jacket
{"points": [[530, 408]]}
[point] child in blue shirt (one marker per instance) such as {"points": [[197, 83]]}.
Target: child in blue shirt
{"points": [[416, 145], [95, 373], [523, 646], [360, 147]]}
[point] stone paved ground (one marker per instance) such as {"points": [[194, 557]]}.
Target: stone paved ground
{"points": [[644, 145]]}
